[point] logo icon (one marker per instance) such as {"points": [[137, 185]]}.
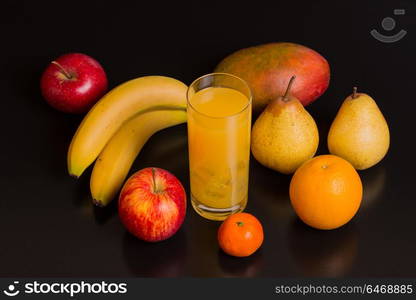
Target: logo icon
{"points": [[389, 24], [11, 289]]}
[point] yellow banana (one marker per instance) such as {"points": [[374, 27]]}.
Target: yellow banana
{"points": [[114, 162], [116, 107]]}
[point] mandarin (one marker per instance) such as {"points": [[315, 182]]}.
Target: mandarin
{"points": [[240, 235]]}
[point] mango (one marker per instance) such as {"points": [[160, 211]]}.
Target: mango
{"points": [[267, 69]]}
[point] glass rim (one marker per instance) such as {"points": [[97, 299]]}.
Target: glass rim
{"points": [[250, 97]]}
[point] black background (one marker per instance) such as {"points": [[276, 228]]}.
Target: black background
{"points": [[48, 226]]}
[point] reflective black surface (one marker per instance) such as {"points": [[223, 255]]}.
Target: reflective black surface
{"points": [[48, 225]]}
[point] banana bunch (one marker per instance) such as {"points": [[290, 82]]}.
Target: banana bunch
{"points": [[117, 127]]}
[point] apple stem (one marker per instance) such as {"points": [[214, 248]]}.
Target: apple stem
{"points": [[65, 72], [289, 86], [154, 180], [354, 92]]}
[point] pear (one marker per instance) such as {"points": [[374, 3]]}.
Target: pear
{"points": [[359, 132], [285, 135]]}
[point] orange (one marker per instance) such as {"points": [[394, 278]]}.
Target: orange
{"points": [[240, 235], [326, 192]]}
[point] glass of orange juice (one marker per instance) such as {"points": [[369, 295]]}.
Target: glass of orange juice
{"points": [[219, 125]]}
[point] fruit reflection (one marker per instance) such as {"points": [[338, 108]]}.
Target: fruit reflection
{"points": [[241, 267], [374, 183], [323, 253], [103, 214], [162, 259], [271, 192], [203, 234]]}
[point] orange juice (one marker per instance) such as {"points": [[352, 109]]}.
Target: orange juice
{"points": [[219, 123]]}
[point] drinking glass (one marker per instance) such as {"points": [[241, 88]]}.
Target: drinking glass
{"points": [[219, 125]]}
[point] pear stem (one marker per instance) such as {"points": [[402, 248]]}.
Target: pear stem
{"points": [[65, 72], [289, 86], [354, 92]]}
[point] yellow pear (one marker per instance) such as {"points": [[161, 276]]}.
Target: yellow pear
{"points": [[285, 135], [359, 133]]}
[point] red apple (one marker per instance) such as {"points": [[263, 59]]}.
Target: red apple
{"points": [[73, 83], [152, 204]]}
